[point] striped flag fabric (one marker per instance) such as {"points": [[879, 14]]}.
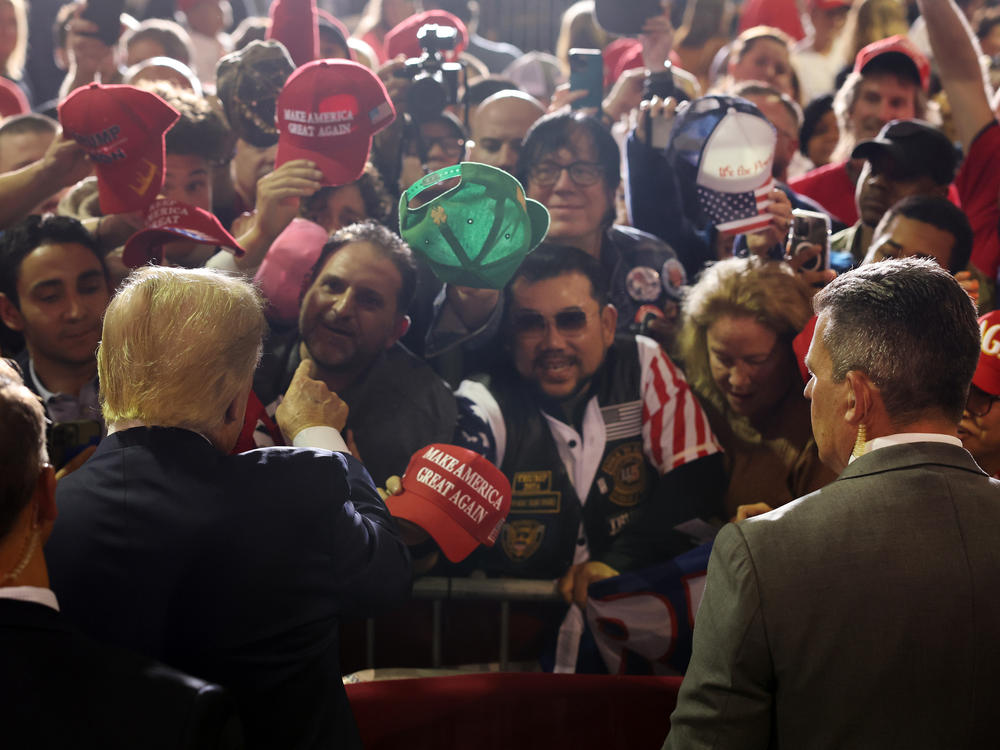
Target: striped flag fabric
{"points": [[737, 213]]}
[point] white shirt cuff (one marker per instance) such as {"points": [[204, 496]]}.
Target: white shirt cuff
{"points": [[321, 436]]}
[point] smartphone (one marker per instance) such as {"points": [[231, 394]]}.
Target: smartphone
{"points": [[586, 73], [812, 227], [107, 15], [66, 440], [660, 84]]}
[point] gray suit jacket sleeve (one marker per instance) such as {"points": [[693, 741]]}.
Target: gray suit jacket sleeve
{"points": [[726, 698]]}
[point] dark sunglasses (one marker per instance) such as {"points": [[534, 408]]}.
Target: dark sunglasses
{"points": [[568, 322]]}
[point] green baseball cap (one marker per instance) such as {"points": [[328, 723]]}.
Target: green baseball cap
{"points": [[477, 233]]}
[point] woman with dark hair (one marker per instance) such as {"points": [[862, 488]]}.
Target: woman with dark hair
{"points": [[736, 345]]}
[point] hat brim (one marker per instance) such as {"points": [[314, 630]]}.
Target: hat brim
{"points": [[455, 542], [539, 217], [138, 249], [345, 169], [883, 147], [986, 379]]}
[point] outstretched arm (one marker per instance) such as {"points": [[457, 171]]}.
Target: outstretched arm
{"points": [[957, 56]]}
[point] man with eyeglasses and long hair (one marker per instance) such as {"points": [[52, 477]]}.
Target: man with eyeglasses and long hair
{"points": [[604, 443]]}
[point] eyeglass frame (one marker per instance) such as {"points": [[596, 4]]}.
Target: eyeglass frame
{"points": [[992, 400], [560, 168], [564, 329], [457, 142]]}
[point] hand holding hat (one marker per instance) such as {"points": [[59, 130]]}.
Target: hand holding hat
{"points": [[456, 496], [477, 233], [328, 112], [122, 129]]}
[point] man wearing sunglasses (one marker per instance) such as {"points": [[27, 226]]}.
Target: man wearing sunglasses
{"points": [[606, 447], [980, 425]]}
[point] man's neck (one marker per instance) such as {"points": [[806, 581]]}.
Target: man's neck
{"points": [[63, 377], [336, 380]]}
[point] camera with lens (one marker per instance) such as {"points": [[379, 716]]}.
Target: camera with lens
{"points": [[435, 82]]}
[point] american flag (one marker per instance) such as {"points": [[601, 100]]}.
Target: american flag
{"points": [[737, 213]]}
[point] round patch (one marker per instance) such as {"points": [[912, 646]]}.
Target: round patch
{"points": [[643, 284], [674, 278], [626, 469]]}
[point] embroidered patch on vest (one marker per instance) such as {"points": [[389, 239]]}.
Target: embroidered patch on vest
{"points": [[622, 420], [626, 469], [521, 539], [531, 492]]}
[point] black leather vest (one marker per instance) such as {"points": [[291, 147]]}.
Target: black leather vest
{"points": [[540, 536]]}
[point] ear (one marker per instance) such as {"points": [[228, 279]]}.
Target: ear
{"points": [[45, 502], [860, 398], [9, 314], [402, 326], [609, 323]]}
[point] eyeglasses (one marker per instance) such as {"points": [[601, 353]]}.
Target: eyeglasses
{"points": [[450, 145], [979, 402], [533, 324], [583, 173]]}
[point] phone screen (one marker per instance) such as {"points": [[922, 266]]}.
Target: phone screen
{"points": [[586, 68]]}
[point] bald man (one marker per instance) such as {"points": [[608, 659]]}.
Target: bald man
{"points": [[499, 126]]}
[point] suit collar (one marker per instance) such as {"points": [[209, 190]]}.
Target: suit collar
{"points": [[894, 457], [21, 614]]}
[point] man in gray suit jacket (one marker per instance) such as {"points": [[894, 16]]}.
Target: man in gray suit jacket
{"points": [[865, 614]]}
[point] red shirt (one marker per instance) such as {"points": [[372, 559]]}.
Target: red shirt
{"points": [[831, 187], [978, 183]]}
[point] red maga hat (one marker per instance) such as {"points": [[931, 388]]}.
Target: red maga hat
{"points": [[456, 496], [898, 45], [401, 39], [328, 112], [167, 221], [122, 129]]}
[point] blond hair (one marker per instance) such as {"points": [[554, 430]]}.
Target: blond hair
{"points": [[178, 344], [770, 293], [13, 66]]}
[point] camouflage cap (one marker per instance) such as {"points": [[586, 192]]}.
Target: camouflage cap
{"points": [[248, 82]]}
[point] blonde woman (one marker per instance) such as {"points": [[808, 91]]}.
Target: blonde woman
{"points": [[736, 343]]}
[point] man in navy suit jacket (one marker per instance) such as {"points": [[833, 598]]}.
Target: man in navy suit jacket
{"points": [[235, 568]]}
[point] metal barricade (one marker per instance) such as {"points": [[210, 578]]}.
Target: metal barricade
{"points": [[439, 590]]}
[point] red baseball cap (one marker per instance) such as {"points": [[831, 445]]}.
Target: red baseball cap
{"points": [[402, 38], [12, 99], [122, 129], [328, 112], [456, 496], [168, 220], [987, 377], [899, 45]]}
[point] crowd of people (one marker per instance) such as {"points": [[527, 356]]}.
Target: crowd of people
{"points": [[255, 257]]}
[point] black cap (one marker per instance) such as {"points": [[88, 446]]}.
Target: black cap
{"points": [[916, 148]]}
